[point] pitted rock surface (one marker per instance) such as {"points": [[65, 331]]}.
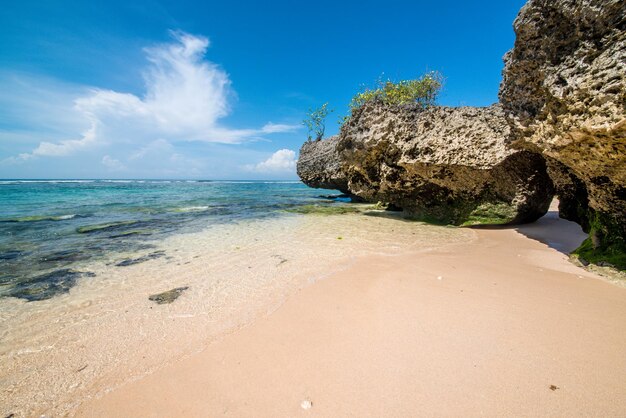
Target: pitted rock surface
{"points": [[564, 90], [451, 165]]}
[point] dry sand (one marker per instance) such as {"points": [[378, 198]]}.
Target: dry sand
{"points": [[504, 326]]}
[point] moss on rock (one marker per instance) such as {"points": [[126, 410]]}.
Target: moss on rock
{"points": [[324, 209], [605, 245], [491, 214]]}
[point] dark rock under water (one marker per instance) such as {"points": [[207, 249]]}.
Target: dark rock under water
{"points": [[142, 259], [168, 296], [64, 256], [10, 255], [46, 286]]}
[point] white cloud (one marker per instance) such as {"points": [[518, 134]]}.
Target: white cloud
{"points": [[65, 147], [185, 97], [283, 160], [112, 163], [272, 128], [156, 147], [160, 158]]}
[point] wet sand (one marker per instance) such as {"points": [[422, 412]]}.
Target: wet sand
{"points": [[504, 325]]}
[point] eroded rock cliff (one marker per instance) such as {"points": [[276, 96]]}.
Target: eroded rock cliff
{"points": [[319, 165], [564, 91], [451, 165]]}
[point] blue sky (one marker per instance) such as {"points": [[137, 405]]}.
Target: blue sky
{"points": [[217, 90]]}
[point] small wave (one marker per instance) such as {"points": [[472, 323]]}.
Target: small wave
{"points": [[281, 182], [64, 217], [192, 209], [229, 182], [44, 181], [38, 218], [250, 181]]}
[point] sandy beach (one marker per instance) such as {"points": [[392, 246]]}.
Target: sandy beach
{"points": [[502, 326], [105, 331], [280, 209]]}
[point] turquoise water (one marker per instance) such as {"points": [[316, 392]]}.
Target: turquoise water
{"points": [[48, 228]]}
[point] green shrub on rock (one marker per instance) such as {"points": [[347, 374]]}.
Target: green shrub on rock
{"points": [[422, 91]]}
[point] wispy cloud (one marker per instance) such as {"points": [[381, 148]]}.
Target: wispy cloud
{"points": [[65, 147], [185, 97], [282, 161], [274, 128], [112, 164]]}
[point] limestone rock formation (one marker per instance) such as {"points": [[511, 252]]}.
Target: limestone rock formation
{"points": [[564, 90], [562, 111], [319, 165], [451, 165]]}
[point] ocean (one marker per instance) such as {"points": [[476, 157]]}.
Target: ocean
{"points": [[49, 228]]}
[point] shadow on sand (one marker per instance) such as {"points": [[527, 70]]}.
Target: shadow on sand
{"points": [[560, 234]]}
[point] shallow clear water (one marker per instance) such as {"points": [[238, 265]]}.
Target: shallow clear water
{"points": [[49, 227]]}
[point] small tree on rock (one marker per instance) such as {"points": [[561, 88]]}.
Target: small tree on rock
{"points": [[316, 121]]}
